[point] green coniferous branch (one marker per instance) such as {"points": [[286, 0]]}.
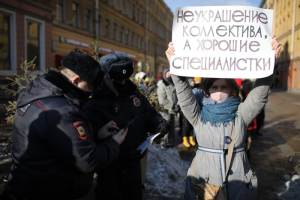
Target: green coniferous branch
{"points": [[290, 158], [94, 53], [96, 45], [21, 81]]}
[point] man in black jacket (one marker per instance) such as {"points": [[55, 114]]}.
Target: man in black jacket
{"points": [[118, 99], [53, 153]]}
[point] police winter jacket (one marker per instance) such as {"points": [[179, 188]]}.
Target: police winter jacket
{"points": [[53, 153], [105, 106], [242, 182]]}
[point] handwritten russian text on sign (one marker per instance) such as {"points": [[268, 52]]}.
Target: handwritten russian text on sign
{"points": [[225, 42]]}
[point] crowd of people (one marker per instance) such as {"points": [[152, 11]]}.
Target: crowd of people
{"points": [[91, 118]]}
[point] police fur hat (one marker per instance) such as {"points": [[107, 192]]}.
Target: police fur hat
{"points": [[116, 66], [86, 67]]}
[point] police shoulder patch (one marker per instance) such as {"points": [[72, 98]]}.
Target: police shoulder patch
{"points": [[23, 109], [80, 130]]}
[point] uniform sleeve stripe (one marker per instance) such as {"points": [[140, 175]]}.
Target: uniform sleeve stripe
{"points": [[42, 108]]}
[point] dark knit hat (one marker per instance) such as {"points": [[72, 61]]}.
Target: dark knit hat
{"points": [[86, 67], [116, 66]]}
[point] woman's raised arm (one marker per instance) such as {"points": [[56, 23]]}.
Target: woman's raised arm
{"points": [[258, 97]]}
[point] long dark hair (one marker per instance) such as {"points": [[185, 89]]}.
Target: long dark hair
{"points": [[232, 85]]}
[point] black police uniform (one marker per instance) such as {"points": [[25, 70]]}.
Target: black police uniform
{"points": [[122, 179], [53, 152]]}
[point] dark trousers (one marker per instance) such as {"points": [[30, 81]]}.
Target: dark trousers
{"points": [[260, 119], [120, 183], [187, 128]]}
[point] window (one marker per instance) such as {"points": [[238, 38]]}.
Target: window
{"points": [[8, 42], [35, 41], [138, 41], [5, 47], [88, 20], [107, 28], [138, 15], [149, 46], [60, 10], [128, 37], [123, 6], [99, 25], [75, 17], [133, 11], [116, 2], [142, 43], [115, 31], [143, 19], [122, 35], [128, 8], [133, 39]]}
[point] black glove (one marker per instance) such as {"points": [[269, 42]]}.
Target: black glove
{"points": [[162, 128]]}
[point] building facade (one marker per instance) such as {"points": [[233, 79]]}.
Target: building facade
{"points": [[50, 29], [141, 29], [25, 32], [286, 27]]}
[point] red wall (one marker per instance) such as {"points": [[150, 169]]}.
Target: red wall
{"points": [[32, 10]]}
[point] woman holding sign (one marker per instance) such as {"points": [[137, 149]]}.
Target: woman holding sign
{"points": [[220, 167]]}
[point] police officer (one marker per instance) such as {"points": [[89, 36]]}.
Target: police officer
{"points": [[53, 153], [118, 99]]}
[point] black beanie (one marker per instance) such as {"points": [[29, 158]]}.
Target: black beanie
{"points": [[116, 66], [86, 67]]}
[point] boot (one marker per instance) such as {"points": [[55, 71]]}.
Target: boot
{"points": [[185, 142], [192, 142]]}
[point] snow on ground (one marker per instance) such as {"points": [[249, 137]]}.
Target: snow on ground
{"points": [[166, 174], [288, 190]]}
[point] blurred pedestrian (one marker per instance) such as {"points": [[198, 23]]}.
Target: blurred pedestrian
{"points": [[247, 86], [118, 99], [53, 152], [197, 81], [239, 82], [140, 77], [187, 128], [168, 99]]}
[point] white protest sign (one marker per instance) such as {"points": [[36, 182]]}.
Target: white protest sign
{"points": [[222, 42]]}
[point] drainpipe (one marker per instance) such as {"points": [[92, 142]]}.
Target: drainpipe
{"points": [[96, 17], [292, 46], [146, 38]]}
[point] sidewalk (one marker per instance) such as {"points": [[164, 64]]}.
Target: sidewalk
{"points": [[281, 137]]}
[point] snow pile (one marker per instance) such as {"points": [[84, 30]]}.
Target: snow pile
{"points": [[166, 174], [290, 190]]}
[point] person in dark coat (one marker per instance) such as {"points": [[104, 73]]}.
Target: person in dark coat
{"points": [[118, 99], [53, 152]]}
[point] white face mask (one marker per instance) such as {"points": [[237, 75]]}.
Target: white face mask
{"points": [[219, 97]]}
